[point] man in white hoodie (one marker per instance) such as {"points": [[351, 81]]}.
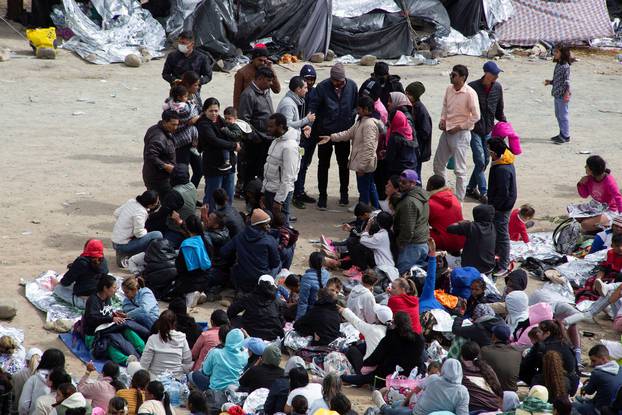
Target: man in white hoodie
{"points": [[282, 165]]}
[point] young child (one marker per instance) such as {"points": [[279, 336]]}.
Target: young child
{"points": [[613, 263], [186, 133], [196, 403], [561, 91], [291, 297], [520, 220], [286, 237], [232, 132], [505, 130], [479, 248], [300, 406]]}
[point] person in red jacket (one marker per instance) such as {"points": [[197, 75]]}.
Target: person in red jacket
{"points": [[403, 298], [445, 210], [520, 220]]}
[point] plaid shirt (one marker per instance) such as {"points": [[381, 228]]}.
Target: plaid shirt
{"points": [[561, 80]]}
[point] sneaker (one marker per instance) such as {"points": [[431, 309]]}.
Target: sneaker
{"points": [[225, 167], [131, 359], [298, 203], [483, 199], [559, 140], [354, 272], [122, 260], [306, 198], [192, 299], [554, 138], [343, 201], [321, 204], [473, 194], [601, 288], [327, 243], [377, 399]]}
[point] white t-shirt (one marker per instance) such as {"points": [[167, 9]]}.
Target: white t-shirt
{"points": [[313, 392]]}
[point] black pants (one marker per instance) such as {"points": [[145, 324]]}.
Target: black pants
{"points": [[355, 354], [255, 155], [324, 154], [183, 155], [308, 144], [380, 179], [162, 188]]}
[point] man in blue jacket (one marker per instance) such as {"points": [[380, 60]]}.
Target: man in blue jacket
{"points": [[605, 381], [256, 253], [334, 106], [502, 196]]}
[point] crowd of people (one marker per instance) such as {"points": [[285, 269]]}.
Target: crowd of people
{"points": [[388, 278]]}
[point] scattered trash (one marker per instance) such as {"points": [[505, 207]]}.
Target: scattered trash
{"points": [[35, 221], [457, 44], [76, 113], [86, 100], [610, 112], [585, 152], [347, 59], [416, 59], [27, 233]]}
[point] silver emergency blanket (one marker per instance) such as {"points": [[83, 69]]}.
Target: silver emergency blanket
{"points": [[181, 17], [540, 246], [553, 293], [15, 362], [586, 210], [126, 28], [497, 11], [355, 8], [457, 44]]}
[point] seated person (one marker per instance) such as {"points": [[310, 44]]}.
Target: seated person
{"points": [[444, 392], [286, 238], [314, 279], [479, 246], [184, 322], [99, 311], [292, 285], [69, 400], [379, 238], [263, 311], [361, 300], [129, 235], [480, 380], [322, 321], [217, 235], [520, 220], [139, 303], [602, 240], [80, 280], [265, 371], [277, 397], [232, 218], [480, 332], [503, 358], [209, 338], [478, 296], [299, 385], [604, 382], [103, 388], [445, 210], [403, 297]]}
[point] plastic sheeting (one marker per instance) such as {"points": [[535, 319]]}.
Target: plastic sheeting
{"points": [[457, 44], [15, 362], [354, 8], [466, 16], [497, 11], [126, 28]]}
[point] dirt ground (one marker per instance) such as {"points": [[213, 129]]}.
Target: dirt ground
{"points": [[73, 138]]}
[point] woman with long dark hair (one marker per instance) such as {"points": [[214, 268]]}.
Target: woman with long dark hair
{"points": [[313, 280], [129, 234], [211, 143], [167, 350], [553, 376], [156, 402], [480, 380], [134, 395], [36, 385]]}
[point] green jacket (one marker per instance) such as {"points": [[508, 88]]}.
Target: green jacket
{"points": [[411, 218]]}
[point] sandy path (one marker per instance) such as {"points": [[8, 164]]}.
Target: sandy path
{"points": [[64, 174]]}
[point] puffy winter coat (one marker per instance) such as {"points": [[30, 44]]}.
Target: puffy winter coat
{"points": [[159, 150], [282, 165], [160, 270], [364, 136], [445, 210], [263, 314], [309, 286]]}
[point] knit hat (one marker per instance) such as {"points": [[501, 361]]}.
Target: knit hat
{"points": [[259, 216], [271, 355], [33, 351], [266, 278], [308, 71], [255, 345], [617, 221], [94, 248], [338, 72], [383, 313], [502, 332], [415, 89]]}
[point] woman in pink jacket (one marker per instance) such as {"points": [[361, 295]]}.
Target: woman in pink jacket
{"points": [[599, 184]]}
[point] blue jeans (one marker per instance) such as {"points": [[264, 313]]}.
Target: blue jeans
{"points": [[66, 294], [198, 379], [561, 113], [226, 182], [308, 145], [137, 245], [367, 189], [584, 407], [395, 409], [174, 237], [411, 254], [269, 200], [481, 158], [141, 317]]}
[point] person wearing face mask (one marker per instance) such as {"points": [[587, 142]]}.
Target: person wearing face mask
{"points": [[246, 75], [159, 154], [458, 117], [185, 59]]}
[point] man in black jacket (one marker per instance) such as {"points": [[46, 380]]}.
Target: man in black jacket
{"points": [[185, 59], [502, 196], [159, 154], [334, 106], [388, 83], [490, 96]]}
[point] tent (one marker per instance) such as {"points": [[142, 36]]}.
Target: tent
{"points": [[570, 21]]}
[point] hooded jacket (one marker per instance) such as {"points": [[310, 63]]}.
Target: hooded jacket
{"points": [[401, 151], [444, 392], [502, 183], [479, 247], [255, 108], [83, 274], [605, 381], [537, 314], [35, 387], [364, 137], [394, 350], [445, 210], [160, 270], [159, 150], [144, 302], [291, 106], [373, 332], [323, 320], [391, 84], [361, 302], [410, 305], [257, 254], [411, 218], [263, 315], [77, 400], [333, 113], [160, 356], [309, 286], [224, 365], [282, 165]]}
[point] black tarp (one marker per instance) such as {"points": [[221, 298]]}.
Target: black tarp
{"points": [[466, 16]]}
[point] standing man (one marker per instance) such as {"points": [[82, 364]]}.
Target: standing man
{"points": [[255, 108], [502, 196], [490, 96], [246, 75], [458, 117], [423, 123], [185, 59], [388, 83], [294, 108], [159, 154], [412, 212], [282, 164], [307, 143], [334, 103]]}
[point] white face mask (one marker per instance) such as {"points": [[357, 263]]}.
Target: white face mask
{"points": [[182, 48]]}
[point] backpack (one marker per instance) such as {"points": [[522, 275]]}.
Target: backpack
{"points": [[567, 236]]}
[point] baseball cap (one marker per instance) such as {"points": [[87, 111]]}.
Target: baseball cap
{"points": [[502, 332], [255, 345], [308, 71], [267, 278], [410, 175], [492, 68]]}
